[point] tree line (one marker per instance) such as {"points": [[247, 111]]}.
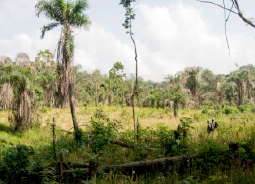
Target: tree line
{"points": [[26, 84]]}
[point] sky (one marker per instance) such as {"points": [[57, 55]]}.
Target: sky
{"points": [[170, 36]]}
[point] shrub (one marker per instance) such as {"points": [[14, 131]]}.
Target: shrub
{"points": [[253, 108], [205, 110], [78, 134], [231, 110], [207, 103], [99, 113], [15, 163], [101, 133], [243, 108], [44, 109], [217, 107]]}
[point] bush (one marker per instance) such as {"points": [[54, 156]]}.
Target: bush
{"points": [[44, 109], [15, 163], [207, 103], [205, 110], [78, 134], [217, 107], [99, 113], [253, 108], [231, 110], [101, 133], [243, 108]]}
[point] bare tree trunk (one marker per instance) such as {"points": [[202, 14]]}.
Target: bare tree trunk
{"points": [[133, 107], [72, 107]]}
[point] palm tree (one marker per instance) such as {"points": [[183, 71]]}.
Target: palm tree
{"points": [[68, 15], [25, 85], [177, 98], [193, 74]]}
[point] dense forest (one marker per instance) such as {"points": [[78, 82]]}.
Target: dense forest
{"points": [[62, 124]]}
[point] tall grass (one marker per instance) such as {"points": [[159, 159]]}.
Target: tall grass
{"points": [[236, 127]]}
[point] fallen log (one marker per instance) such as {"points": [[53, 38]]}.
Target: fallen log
{"points": [[132, 165], [123, 144], [154, 162]]}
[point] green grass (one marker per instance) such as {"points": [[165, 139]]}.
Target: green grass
{"points": [[238, 127]]}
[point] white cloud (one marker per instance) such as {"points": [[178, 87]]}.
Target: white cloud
{"points": [[99, 49], [28, 44], [172, 38], [168, 40]]}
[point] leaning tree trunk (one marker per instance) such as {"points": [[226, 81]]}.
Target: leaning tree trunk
{"points": [[72, 107], [77, 132]]}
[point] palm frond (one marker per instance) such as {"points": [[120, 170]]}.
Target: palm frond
{"points": [[52, 10], [80, 21], [79, 7], [48, 28]]}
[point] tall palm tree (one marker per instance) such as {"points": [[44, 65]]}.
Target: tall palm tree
{"points": [[68, 15]]}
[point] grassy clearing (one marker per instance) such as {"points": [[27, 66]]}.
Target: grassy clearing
{"points": [[155, 132]]}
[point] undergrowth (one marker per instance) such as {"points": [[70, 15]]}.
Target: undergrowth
{"points": [[32, 151]]}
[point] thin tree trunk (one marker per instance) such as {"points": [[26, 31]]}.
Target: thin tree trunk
{"points": [[175, 109], [122, 100], [110, 99], [133, 107], [72, 107]]}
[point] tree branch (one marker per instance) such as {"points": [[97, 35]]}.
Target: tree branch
{"points": [[218, 6], [239, 13]]}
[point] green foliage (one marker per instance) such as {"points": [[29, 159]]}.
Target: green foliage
{"points": [[15, 162], [211, 148], [44, 110], [129, 15], [171, 145], [252, 108], [99, 113], [197, 117], [62, 13], [26, 90], [167, 141], [186, 123], [207, 103], [78, 134], [231, 110], [101, 132], [50, 178], [244, 108], [205, 110]]}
